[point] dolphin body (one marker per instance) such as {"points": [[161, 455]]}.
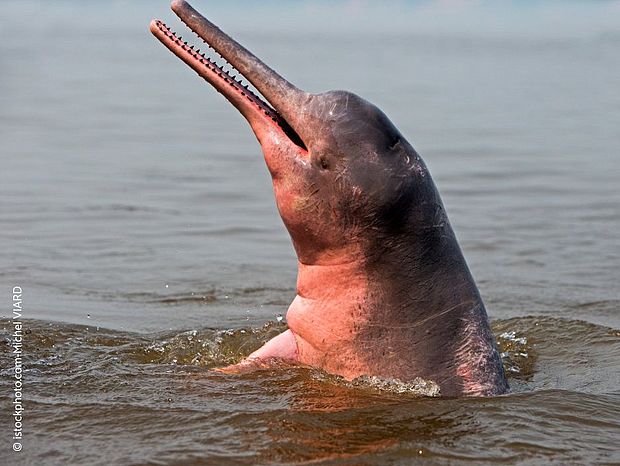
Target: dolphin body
{"points": [[383, 288]]}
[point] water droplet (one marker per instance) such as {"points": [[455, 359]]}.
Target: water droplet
{"points": [[279, 318], [88, 316], [166, 285]]}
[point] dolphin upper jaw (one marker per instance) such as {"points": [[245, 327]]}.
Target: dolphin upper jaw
{"points": [[277, 114]]}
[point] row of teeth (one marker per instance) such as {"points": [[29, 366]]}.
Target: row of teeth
{"points": [[219, 70]]}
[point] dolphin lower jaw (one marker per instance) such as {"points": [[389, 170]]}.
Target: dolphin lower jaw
{"points": [[265, 118]]}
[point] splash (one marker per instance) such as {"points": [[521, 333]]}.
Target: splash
{"points": [[417, 386]]}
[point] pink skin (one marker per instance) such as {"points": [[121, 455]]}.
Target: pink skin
{"points": [[382, 286]]}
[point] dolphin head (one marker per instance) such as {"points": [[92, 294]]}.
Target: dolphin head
{"points": [[343, 176]]}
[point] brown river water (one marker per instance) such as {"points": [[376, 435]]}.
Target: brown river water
{"points": [[137, 216]]}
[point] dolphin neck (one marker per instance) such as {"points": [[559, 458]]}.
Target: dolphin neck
{"points": [[326, 281], [404, 275]]}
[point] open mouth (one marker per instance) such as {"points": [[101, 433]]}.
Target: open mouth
{"points": [[257, 111]]}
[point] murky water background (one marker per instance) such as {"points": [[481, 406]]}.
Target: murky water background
{"points": [[137, 215]]}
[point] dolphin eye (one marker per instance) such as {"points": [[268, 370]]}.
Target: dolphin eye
{"points": [[323, 163]]}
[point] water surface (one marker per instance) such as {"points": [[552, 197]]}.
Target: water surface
{"points": [[138, 217]]}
